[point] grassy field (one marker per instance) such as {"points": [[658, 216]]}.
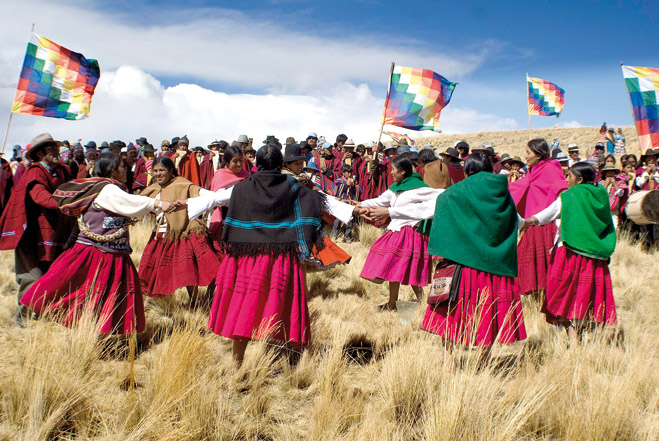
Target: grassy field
{"points": [[367, 376]]}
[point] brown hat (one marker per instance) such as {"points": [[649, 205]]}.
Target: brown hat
{"points": [[38, 143], [290, 140], [649, 152], [518, 160], [611, 168]]}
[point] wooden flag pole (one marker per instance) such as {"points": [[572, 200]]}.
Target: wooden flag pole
{"points": [[384, 112], [527, 103]]}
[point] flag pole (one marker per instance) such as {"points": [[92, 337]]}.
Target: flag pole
{"points": [[11, 116], [527, 103], [384, 112]]}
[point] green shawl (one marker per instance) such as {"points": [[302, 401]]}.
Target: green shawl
{"points": [[586, 223], [409, 183], [475, 225]]}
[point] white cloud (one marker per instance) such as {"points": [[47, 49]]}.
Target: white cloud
{"points": [[130, 103], [571, 124], [303, 82]]}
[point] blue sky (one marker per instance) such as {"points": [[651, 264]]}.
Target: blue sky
{"points": [[321, 53]]}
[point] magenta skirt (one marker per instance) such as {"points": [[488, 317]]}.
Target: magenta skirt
{"points": [[533, 257], [261, 296], [399, 256], [86, 282], [579, 287], [488, 309], [167, 265]]}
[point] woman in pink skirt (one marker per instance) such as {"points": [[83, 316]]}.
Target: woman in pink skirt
{"points": [[475, 225], [399, 256], [269, 230], [579, 289], [534, 192], [180, 252], [96, 277]]}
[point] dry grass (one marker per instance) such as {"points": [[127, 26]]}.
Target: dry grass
{"points": [[366, 376]]}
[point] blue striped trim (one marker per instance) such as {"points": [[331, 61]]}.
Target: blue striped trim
{"points": [[251, 225], [8, 233], [304, 249]]}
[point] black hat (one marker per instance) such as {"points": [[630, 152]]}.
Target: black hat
{"points": [[105, 145], [149, 149], [175, 140], [141, 141], [118, 143], [292, 153], [90, 145], [451, 152], [271, 139]]}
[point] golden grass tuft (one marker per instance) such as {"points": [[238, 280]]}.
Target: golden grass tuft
{"points": [[367, 375]]}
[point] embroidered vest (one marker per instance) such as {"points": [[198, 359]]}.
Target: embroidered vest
{"points": [[99, 226]]}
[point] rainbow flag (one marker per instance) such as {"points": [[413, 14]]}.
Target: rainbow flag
{"points": [[397, 137], [643, 87], [416, 97], [545, 98], [55, 81]]}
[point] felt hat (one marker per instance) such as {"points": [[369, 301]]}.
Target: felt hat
{"points": [[649, 152], [390, 146], [105, 145], [451, 152], [175, 140], [349, 144], [292, 153], [312, 166], [518, 160], [562, 157], [90, 145], [141, 141], [403, 149], [400, 142], [573, 148], [184, 140], [40, 142], [611, 168], [270, 139], [243, 139], [290, 140], [149, 149], [505, 157], [486, 148]]}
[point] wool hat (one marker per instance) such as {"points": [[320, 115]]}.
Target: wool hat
{"points": [[40, 142], [292, 153]]}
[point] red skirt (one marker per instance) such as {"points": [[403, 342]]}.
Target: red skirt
{"points": [[86, 282], [167, 265], [261, 296], [399, 256], [329, 257], [533, 257], [488, 308], [579, 287]]}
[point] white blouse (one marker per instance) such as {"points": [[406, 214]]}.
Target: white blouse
{"points": [[408, 207], [552, 214], [114, 199]]}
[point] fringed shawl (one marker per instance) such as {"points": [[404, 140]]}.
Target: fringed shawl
{"points": [[270, 213]]}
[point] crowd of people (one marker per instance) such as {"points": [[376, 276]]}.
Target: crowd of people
{"points": [[481, 228]]}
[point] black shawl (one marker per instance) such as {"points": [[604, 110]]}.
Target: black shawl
{"points": [[270, 213]]}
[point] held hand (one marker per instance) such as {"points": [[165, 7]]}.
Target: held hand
{"points": [[181, 203], [528, 222], [166, 206], [355, 203], [378, 213]]}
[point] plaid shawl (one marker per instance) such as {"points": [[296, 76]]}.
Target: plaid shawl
{"points": [[270, 213], [74, 197]]}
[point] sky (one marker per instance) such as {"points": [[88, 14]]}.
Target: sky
{"points": [[217, 69]]}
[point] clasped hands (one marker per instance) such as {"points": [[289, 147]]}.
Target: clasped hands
{"points": [[369, 213], [169, 207]]}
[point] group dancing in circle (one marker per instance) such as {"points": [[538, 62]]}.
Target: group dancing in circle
{"points": [[266, 230]]}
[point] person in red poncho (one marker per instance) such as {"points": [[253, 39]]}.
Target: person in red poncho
{"points": [[31, 224], [538, 189], [186, 162]]}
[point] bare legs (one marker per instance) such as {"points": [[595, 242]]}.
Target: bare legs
{"points": [[394, 288], [238, 350]]}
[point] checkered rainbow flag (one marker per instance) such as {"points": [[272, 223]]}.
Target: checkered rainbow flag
{"points": [[416, 98], [55, 81], [643, 87], [545, 98]]}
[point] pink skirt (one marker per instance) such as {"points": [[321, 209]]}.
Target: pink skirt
{"points": [[579, 287], [533, 257], [488, 308], [167, 265], [84, 282], [261, 296], [399, 256]]}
